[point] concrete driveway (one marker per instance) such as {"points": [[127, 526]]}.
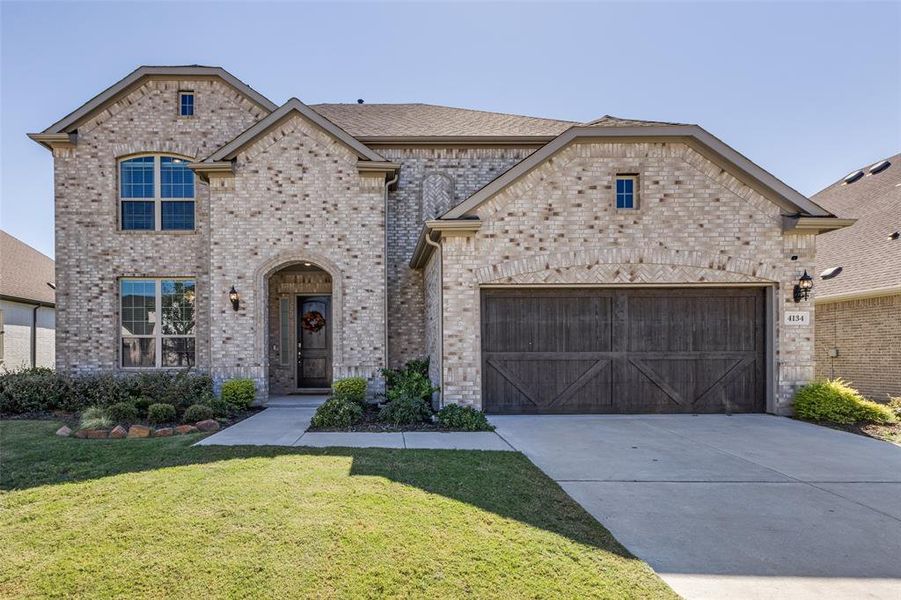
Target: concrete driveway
{"points": [[745, 506]]}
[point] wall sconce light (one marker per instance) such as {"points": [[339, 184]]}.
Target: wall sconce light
{"points": [[803, 287], [235, 299]]}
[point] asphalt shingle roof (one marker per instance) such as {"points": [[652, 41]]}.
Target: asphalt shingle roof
{"points": [[25, 272], [430, 120], [869, 259]]}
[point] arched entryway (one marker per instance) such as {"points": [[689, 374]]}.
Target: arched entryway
{"points": [[302, 328]]}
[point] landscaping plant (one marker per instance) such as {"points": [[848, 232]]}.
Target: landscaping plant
{"points": [[159, 413], [197, 412], [239, 393], [30, 390], [406, 409], [835, 401], [123, 413], [337, 411], [351, 388], [412, 380], [94, 417], [466, 418]]}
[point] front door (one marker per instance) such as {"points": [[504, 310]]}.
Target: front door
{"points": [[314, 342]]}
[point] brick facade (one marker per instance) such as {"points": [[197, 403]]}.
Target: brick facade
{"points": [[866, 333], [558, 225]]}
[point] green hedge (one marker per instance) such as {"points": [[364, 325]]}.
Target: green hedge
{"points": [[239, 393], [350, 388], [337, 412], [42, 390], [834, 401], [454, 416]]}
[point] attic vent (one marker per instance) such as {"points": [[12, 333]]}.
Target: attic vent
{"points": [[853, 177], [879, 167], [830, 272]]}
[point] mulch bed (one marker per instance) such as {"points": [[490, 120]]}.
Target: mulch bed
{"points": [[886, 433], [371, 424]]}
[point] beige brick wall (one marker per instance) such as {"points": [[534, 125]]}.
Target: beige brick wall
{"points": [[427, 177], [297, 196], [558, 224], [867, 335], [91, 252]]}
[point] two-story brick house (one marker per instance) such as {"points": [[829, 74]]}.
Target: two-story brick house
{"points": [[542, 265]]}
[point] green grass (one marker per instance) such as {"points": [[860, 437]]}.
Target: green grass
{"points": [[157, 518]]}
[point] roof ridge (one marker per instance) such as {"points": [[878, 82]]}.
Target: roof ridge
{"points": [[478, 110]]}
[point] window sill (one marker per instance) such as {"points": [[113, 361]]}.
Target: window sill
{"points": [[155, 232]]}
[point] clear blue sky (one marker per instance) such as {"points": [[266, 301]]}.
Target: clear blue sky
{"points": [[807, 90]]}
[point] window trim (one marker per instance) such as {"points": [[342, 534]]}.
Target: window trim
{"points": [[193, 103], [157, 192], [636, 191], [158, 336]]}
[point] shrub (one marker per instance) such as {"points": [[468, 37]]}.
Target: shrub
{"points": [[239, 393], [122, 412], [412, 381], [836, 402], [142, 404], [337, 412], [220, 407], [895, 405], [94, 417], [454, 416], [197, 412], [351, 388], [161, 413], [406, 409], [31, 390], [102, 389]]}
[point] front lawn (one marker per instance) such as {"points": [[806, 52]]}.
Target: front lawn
{"points": [[158, 518]]}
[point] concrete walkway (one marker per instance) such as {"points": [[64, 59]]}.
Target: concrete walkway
{"points": [[286, 419], [747, 506]]}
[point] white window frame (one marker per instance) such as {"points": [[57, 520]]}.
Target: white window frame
{"points": [[635, 190], [193, 104], [157, 192], [158, 335]]}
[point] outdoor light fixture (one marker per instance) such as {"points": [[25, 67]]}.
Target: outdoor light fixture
{"points": [[803, 287], [236, 301]]}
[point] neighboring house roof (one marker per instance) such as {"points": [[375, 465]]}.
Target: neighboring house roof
{"points": [[25, 274], [611, 121], [367, 121], [870, 259], [791, 200], [231, 149], [68, 123]]}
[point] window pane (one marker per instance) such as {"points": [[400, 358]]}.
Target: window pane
{"points": [[176, 179], [178, 352], [137, 214], [178, 298], [187, 105], [138, 352], [136, 177], [178, 214], [138, 300]]}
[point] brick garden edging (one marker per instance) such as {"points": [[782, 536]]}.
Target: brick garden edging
{"points": [[139, 431]]}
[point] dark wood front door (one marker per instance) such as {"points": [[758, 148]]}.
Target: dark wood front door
{"points": [[314, 342], [662, 350]]}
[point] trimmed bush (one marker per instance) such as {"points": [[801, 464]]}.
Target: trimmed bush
{"points": [[835, 401], [337, 412], [123, 412], [31, 390], [406, 410], [454, 416], [159, 413], [197, 412], [412, 381], [239, 393], [351, 388]]}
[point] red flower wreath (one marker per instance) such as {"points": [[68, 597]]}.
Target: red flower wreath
{"points": [[313, 321]]}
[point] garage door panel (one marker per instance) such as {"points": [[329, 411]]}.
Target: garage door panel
{"points": [[624, 351]]}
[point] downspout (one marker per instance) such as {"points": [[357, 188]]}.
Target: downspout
{"points": [[388, 184], [430, 242], [34, 335]]}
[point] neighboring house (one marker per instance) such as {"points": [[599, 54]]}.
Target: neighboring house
{"points": [[542, 265], [858, 330], [27, 306]]}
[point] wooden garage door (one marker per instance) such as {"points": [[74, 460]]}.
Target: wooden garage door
{"points": [[660, 350]]}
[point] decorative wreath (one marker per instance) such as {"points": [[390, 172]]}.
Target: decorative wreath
{"points": [[313, 321]]}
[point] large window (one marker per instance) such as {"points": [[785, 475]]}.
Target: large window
{"points": [[157, 193], [158, 326]]}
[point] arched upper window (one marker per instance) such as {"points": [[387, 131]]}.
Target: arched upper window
{"points": [[156, 193]]}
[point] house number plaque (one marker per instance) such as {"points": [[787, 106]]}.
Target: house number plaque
{"points": [[797, 317]]}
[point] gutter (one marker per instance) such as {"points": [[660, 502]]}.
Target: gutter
{"points": [[423, 249], [34, 335], [859, 295]]}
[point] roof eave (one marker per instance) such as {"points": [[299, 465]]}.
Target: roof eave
{"points": [[444, 228], [891, 290], [52, 141], [455, 140], [815, 225]]}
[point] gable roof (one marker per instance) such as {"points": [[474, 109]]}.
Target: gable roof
{"points": [[373, 121], [751, 174], [611, 121], [68, 123], [231, 149], [870, 260], [25, 273]]}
